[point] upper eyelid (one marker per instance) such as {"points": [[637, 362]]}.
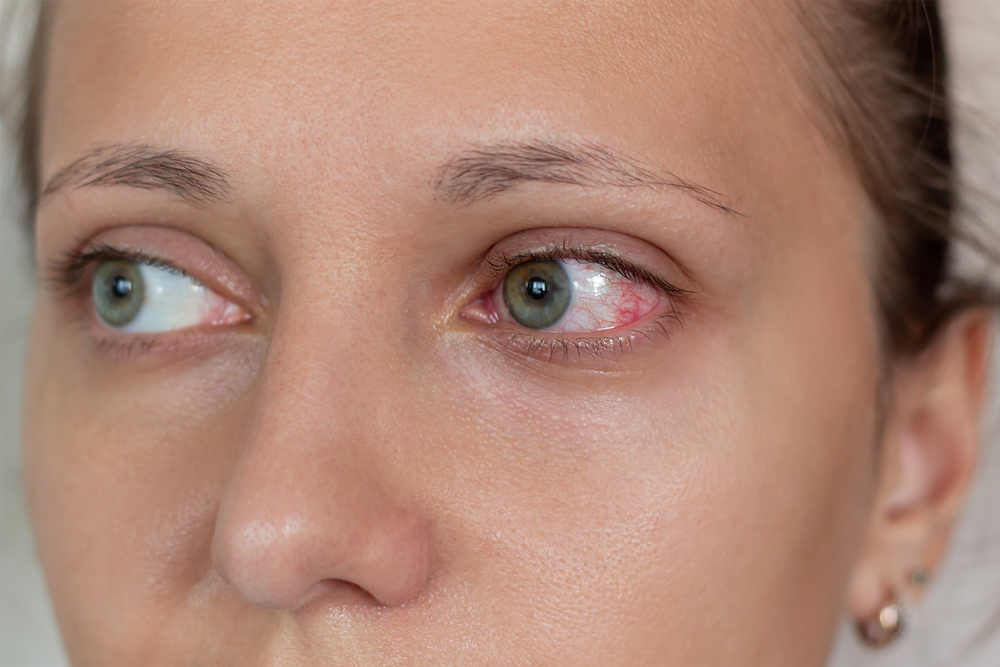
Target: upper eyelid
{"points": [[69, 271], [68, 274], [613, 261]]}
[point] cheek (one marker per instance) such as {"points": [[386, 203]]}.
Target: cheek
{"points": [[674, 507], [560, 516], [124, 475]]}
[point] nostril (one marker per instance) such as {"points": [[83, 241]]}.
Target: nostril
{"points": [[336, 592]]}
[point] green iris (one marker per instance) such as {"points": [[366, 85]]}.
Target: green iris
{"points": [[118, 292], [537, 293]]}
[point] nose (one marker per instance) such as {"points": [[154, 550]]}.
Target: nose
{"points": [[313, 508]]}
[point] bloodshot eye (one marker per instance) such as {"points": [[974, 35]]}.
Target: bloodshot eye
{"points": [[570, 296]]}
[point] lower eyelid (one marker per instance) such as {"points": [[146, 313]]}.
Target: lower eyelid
{"points": [[110, 344], [156, 349], [645, 337]]}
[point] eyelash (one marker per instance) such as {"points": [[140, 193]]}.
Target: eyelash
{"points": [[502, 263], [69, 274], [596, 347]]}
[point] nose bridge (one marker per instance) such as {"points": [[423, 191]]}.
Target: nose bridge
{"points": [[312, 505]]}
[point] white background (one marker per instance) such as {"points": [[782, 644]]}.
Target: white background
{"points": [[959, 623]]}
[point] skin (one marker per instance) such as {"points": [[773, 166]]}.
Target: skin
{"points": [[359, 473]]}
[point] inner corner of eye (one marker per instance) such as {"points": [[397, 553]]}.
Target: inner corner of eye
{"points": [[481, 310]]}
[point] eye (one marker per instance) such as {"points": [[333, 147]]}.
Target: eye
{"points": [[136, 297], [537, 294], [571, 296]]}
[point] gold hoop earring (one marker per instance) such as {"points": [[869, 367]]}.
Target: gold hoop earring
{"points": [[884, 627]]}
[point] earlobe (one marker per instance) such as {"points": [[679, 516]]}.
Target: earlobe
{"points": [[928, 455]]}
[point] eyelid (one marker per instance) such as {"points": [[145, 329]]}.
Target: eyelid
{"points": [[609, 259], [631, 257], [75, 272], [162, 247], [70, 272]]}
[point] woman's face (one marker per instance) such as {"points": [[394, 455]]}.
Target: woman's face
{"points": [[519, 334]]}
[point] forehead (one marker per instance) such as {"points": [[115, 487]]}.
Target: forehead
{"points": [[301, 89]]}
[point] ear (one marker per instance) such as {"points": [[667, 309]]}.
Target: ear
{"points": [[927, 458]]}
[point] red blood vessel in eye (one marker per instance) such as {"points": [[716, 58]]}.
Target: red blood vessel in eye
{"points": [[604, 299]]}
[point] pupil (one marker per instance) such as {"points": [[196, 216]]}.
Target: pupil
{"points": [[537, 288], [121, 287]]}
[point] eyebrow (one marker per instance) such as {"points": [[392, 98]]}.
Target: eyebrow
{"points": [[485, 172], [193, 179], [476, 174]]}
